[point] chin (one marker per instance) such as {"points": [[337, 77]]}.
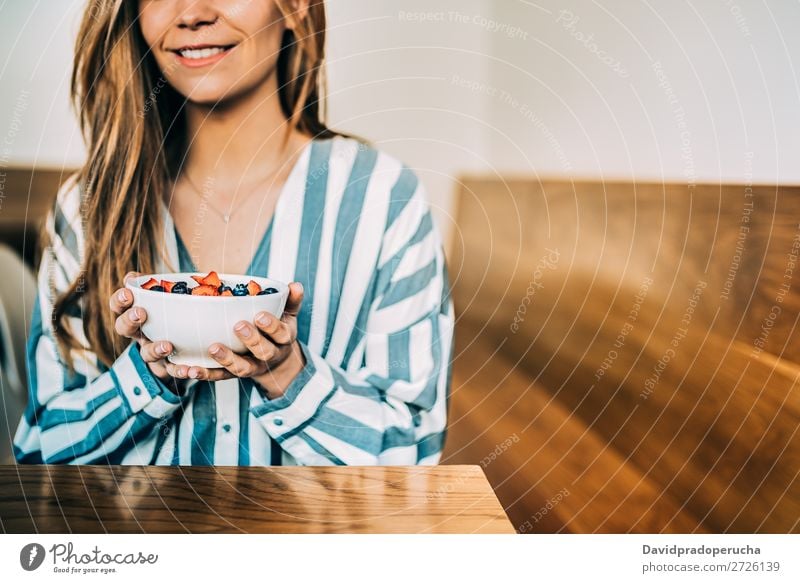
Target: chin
{"points": [[201, 91], [206, 97], [216, 93]]}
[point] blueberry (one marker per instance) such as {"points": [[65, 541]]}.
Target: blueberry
{"points": [[223, 288], [240, 290], [181, 288], [157, 288], [267, 291]]}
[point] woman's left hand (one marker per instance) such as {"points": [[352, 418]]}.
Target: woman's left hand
{"points": [[274, 357]]}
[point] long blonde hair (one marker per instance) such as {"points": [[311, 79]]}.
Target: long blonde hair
{"points": [[135, 144]]}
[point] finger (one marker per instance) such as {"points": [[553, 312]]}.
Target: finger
{"points": [[120, 300], [184, 371], [278, 331], [129, 275], [129, 323], [255, 342], [210, 374], [179, 371], [155, 351], [294, 300], [241, 366], [174, 370]]}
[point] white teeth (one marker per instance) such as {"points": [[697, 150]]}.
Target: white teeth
{"points": [[201, 53]]}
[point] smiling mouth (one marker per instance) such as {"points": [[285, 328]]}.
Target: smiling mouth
{"points": [[202, 53]]}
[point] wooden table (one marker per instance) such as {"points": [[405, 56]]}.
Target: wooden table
{"points": [[178, 499]]}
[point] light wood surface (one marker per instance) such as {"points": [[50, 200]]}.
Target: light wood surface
{"points": [[674, 412], [550, 451], [156, 499]]}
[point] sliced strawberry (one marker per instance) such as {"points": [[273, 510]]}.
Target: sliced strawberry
{"points": [[253, 288], [150, 283], [198, 278], [205, 290], [167, 285], [212, 279], [227, 292]]}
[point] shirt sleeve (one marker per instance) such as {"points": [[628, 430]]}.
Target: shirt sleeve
{"points": [[393, 409], [87, 416]]}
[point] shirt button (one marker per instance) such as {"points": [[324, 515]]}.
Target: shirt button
{"points": [[137, 391], [226, 428], [278, 421]]}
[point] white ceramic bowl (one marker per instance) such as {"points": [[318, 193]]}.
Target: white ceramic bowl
{"points": [[193, 323]]}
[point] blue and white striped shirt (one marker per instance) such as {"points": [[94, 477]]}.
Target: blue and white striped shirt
{"points": [[376, 326]]}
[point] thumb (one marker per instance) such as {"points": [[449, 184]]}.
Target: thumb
{"points": [[295, 299], [129, 275]]}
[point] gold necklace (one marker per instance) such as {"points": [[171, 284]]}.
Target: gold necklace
{"points": [[226, 217]]}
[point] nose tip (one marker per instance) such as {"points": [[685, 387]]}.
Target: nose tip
{"points": [[196, 23], [197, 15]]}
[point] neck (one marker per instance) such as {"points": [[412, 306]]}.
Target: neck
{"points": [[237, 141]]}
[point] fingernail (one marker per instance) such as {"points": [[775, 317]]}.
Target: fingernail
{"points": [[262, 319], [193, 373], [135, 315], [121, 296], [242, 329], [215, 350], [162, 348]]}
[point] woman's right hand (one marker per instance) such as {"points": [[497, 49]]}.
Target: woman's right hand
{"points": [[128, 324]]}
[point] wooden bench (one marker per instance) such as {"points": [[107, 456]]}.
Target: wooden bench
{"points": [[637, 342], [26, 194]]}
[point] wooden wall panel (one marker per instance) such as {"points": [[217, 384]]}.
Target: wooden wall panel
{"points": [[666, 327], [27, 194]]}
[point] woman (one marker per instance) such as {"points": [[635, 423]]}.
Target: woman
{"points": [[204, 131]]}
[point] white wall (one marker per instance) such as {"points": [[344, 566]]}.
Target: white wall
{"points": [[37, 124], [391, 68], [700, 90]]}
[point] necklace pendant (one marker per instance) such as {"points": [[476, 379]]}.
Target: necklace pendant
{"points": [[226, 217]]}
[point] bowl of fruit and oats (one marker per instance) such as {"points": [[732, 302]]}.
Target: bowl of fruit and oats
{"points": [[193, 311]]}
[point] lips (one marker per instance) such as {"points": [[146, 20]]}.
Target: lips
{"points": [[201, 55]]}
